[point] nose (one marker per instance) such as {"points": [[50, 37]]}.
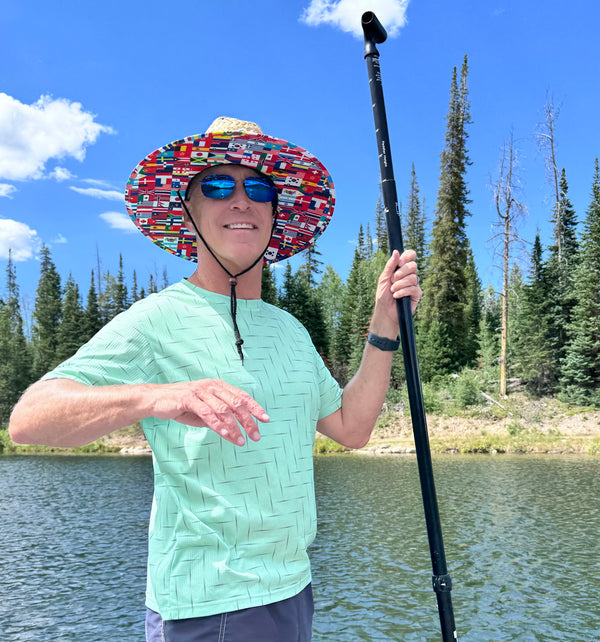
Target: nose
{"points": [[239, 199]]}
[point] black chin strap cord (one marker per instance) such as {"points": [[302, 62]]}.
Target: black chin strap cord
{"points": [[232, 277]]}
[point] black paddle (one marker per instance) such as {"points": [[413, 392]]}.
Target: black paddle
{"points": [[442, 584]]}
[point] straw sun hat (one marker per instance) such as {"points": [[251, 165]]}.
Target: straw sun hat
{"points": [[305, 191]]}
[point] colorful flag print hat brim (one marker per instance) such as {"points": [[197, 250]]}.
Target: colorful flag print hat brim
{"points": [[305, 190]]}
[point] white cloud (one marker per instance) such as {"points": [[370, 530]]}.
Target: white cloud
{"points": [[19, 238], [94, 192], [7, 190], [119, 221], [31, 135], [60, 174], [346, 14], [60, 239], [97, 183]]}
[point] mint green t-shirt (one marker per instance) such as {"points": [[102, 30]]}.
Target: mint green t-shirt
{"points": [[230, 525]]}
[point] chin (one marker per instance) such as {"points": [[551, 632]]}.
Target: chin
{"points": [[241, 260]]}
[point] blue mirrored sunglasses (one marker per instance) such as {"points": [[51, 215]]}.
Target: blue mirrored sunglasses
{"points": [[221, 186]]}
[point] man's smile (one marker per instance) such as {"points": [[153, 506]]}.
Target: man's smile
{"points": [[240, 226]]}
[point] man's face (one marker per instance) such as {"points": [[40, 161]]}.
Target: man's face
{"points": [[236, 228]]}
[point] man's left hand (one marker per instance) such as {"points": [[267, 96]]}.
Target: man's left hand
{"points": [[399, 279]]}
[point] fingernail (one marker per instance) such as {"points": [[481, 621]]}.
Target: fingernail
{"points": [[241, 441]]}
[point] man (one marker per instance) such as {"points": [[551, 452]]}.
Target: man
{"points": [[206, 364]]}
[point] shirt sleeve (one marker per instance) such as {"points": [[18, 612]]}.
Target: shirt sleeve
{"points": [[117, 354]]}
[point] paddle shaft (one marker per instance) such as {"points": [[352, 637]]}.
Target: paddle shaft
{"points": [[442, 584]]}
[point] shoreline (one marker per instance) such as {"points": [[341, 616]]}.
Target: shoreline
{"points": [[521, 426]]}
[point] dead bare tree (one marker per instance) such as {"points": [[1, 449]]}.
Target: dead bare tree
{"points": [[546, 136], [509, 210]]}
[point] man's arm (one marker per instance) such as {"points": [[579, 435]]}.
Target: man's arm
{"points": [[364, 395], [65, 413]]}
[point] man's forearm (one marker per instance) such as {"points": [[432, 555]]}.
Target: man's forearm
{"points": [[65, 413], [365, 394]]}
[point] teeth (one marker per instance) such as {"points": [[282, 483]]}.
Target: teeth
{"points": [[240, 226]]}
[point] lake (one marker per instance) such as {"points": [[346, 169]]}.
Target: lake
{"points": [[521, 537]]}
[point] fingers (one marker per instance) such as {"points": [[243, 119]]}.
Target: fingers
{"points": [[217, 405], [392, 263], [230, 409], [401, 270]]}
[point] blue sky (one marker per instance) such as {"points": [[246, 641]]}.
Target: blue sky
{"points": [[89, 89]]}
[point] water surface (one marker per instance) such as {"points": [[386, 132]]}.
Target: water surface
{"points": [[521, 538]]}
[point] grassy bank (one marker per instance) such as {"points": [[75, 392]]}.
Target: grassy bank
{"points": [[518, 424], [128, 440]]}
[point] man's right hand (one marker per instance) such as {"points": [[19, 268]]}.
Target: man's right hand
{"points": [[212, 403]]}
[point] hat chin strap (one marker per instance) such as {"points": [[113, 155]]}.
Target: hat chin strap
{"points": [[232, 277]]}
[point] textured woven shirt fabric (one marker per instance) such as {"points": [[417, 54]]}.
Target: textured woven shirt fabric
{"points": [[230, 525]]}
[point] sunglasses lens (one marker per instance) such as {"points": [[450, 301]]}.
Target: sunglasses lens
{"points": [[217, 187], [259, 189]]}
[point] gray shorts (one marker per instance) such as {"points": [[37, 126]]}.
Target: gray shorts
{"points": [[286, 621]]}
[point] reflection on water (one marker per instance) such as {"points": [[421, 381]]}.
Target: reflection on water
{"points": [[521, 538]]}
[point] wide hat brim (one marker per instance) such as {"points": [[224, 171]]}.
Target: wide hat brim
{"points": [[306, 195]]}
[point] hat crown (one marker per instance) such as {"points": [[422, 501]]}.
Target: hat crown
{"points": [[229, 124]]}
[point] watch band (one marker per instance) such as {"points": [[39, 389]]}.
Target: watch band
{"points": [[387, 345]]}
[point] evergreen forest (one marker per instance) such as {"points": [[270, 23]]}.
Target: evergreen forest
{"points": [[539, 333]]}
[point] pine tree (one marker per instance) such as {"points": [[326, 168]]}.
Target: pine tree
{"points": [[106, 298], [330, 293], [300, 300], [381, 235], [448, 302], [46, 316], [269, 286], [92, 320], [6, 401], [134, 288], [532, 349], [121, 302], [15, 355], [515, 299], [71, 331], [362, 308], [473, 311], [369, 243], [312, 264], [489, 334], [580, 382], [343, 339], [152, 287], [114, 299], [360, 243], [286, 295], [560, 271], [435, 356], [414, 227]]}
